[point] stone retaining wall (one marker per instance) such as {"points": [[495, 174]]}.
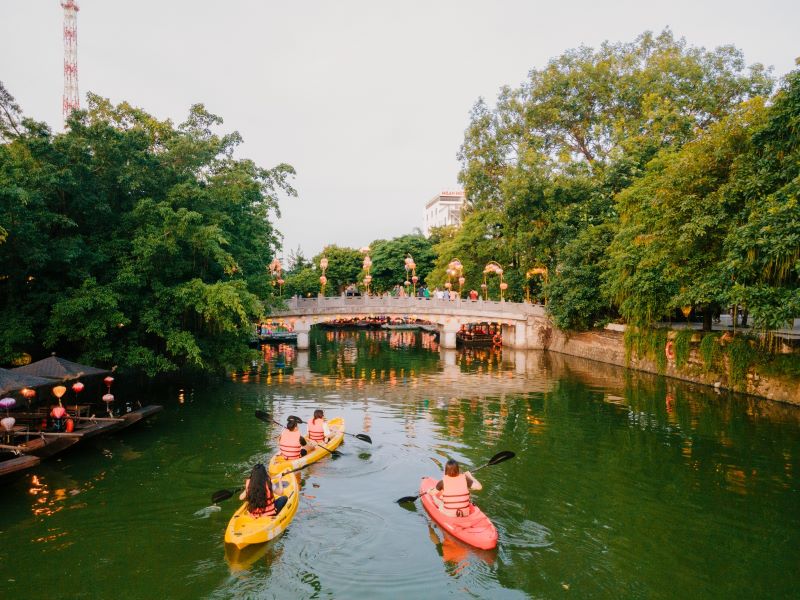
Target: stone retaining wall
{"points": [[608, 346]]}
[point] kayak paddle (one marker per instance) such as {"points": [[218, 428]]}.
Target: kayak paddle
{"points": [[263, 416], [362, 436], [495, 460], [221, 495]]}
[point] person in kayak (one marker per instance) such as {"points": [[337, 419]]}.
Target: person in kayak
{"points": [[291, 442], [451, 493], [261, 500], [318, 431]]}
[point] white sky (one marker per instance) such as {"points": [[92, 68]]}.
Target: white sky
{"points": [[367, 99]]}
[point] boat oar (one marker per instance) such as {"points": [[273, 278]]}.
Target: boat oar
{"points": [[495, 460], [362, 436], [221, 495], [263, 416]]}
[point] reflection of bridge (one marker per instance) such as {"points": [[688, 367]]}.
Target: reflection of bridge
{"points": [[519, 321]]}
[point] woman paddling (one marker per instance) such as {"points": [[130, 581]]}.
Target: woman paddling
{"points": [[318, 431], [291, 442], [261, 500], [451, 493]]}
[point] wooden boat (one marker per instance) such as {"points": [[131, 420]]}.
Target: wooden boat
{"points": [[244, 529], [276, 337], [469, 339], [17, 463], [400, 326], [278, 464], [44, 444]]}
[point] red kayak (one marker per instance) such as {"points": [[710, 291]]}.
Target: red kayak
{"points": [[475, 529]]}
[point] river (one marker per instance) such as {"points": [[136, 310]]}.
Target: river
{"points": [[624, 485]]}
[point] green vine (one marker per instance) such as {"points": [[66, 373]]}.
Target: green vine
{"points": [[682, 346], [631, 338], [710, 351], [741, 356], [658, 342]]}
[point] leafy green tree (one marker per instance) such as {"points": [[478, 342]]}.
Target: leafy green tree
{"points": [[669, 250], [133, 241], [344, 268], [388, 260], [763, 247]]}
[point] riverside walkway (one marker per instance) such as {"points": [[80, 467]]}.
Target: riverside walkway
{"points": [[518, 320]]}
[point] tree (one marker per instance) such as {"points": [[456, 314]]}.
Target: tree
{"points": [[763, 247], [344, 267], [135, 242], [388, 258], [669, 250]]}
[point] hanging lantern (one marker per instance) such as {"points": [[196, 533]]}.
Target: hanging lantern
{"points": [[323, 264], [77, 387], [28, 393], [8, 423], [323, 280], [7, 403], [59, 391], [484, 286], [406, 282], [281, 281], [415, 279], [461, 281], [448, 285], [58, 412], [368, 279], [504, 286], [108, 398], [686, 310]]}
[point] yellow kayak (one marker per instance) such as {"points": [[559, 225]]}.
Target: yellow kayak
{"points": [[278, 464], [244, 529]]}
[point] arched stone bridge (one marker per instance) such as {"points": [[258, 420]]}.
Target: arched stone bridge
{"points": [[522, 323]]}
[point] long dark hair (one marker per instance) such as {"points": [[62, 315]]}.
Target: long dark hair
{"points": [[318, 414], [257, 488]]}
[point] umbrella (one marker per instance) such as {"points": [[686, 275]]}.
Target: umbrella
{"points": [[11, 381], [61, 369]]}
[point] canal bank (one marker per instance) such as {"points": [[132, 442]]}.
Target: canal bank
{"points": [[608, 346]]}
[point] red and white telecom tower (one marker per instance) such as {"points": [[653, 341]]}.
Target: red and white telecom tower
{"points": [[71, 100]]}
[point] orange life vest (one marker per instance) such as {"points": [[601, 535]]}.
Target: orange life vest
{"points": [[315, 430], [268, 510], [455, 492], [289, 444]]}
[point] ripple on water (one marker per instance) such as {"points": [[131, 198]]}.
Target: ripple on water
{"points": [[361, 536]]}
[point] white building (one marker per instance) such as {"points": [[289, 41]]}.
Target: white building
{"points": [[443, 209]]}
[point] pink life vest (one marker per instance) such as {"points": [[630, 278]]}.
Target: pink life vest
{"points": [[316, 431], [289, 444], [455, 492]]}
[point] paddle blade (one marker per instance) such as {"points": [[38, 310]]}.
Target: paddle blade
{"points": [[263, 416], [221, 495], [364, 437], [405, 499], [501, 457]]}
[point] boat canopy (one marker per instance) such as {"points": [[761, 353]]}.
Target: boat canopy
{"points": [[61, 369]]}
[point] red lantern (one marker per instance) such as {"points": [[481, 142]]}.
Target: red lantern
{"points": [[77, 387], [28, 393], [108, 380]]}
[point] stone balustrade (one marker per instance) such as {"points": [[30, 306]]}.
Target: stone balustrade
{"points": [[518, 320]]}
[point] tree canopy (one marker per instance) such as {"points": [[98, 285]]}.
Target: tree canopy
{"points": [[133, 241]]}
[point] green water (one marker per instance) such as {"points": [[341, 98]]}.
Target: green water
{"points": [[624, 486]]}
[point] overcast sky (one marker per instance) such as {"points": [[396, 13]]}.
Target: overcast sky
{"points": [[368, 99]]}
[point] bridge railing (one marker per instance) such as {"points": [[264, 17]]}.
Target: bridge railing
{"points": [[381, 303]]}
